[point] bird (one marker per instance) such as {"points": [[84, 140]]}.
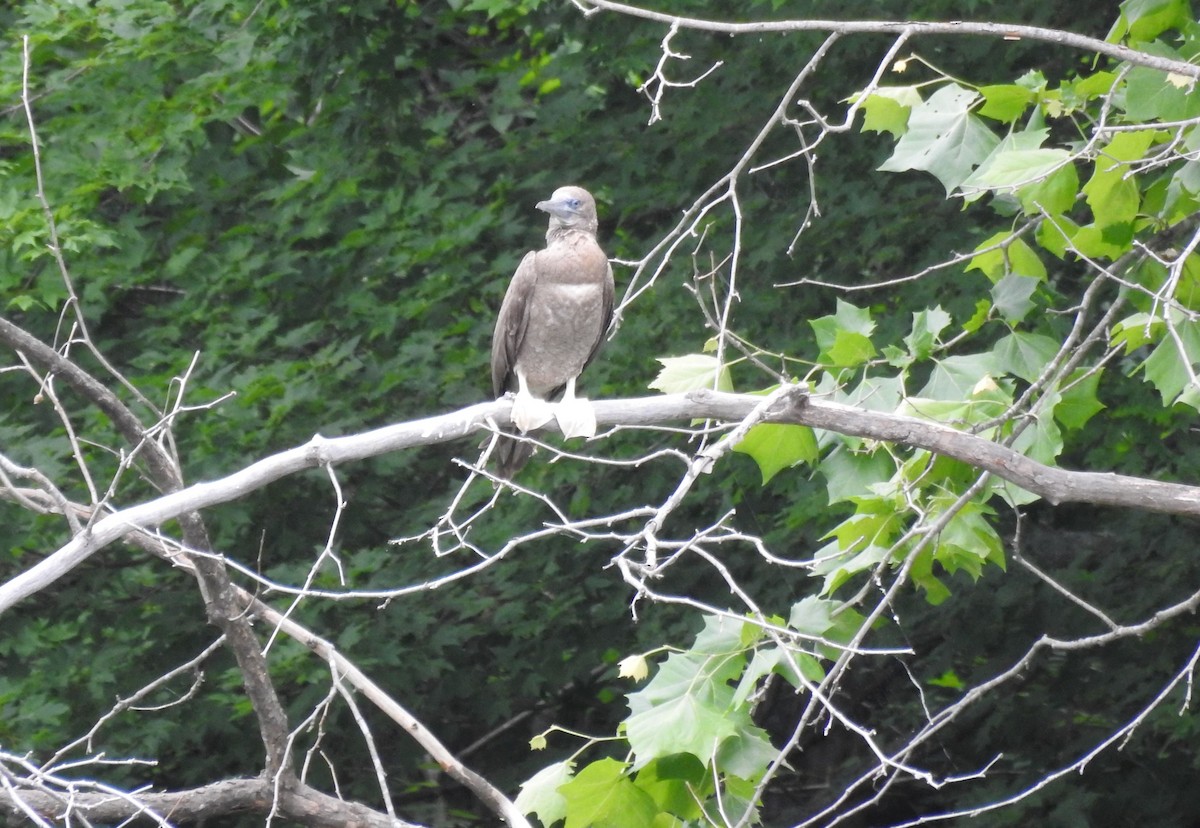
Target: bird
{"points": [[551, 323]]}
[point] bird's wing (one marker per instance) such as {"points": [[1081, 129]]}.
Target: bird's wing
{"points": [[606, 312], [512, 322]]}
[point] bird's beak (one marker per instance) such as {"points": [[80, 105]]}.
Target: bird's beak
{"points": [[558, 209]]}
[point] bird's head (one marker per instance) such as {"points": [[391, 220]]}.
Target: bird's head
{"points": [[571, 208]]}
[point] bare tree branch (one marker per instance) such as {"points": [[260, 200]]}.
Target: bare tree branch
{"points": [[795, 407], [1003, 31], [226, 798]]}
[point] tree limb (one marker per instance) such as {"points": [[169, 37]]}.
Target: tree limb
{"points": [[796, 407], [218, 800], [1006, 31], [164, 473]]}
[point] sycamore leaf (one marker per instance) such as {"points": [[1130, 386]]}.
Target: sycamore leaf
{"points": [[943, 138], [844, 337], [1153, 95], [704, 675], [673, 782], [1012, 296], [887, 109], [686, 725], [1017, 160], [747, 754], [1004, 103], [1112, 196], [922, 575], [1042, 439], [926, 327], [691, 373], [1015, 256], [953, 378], [601, 794], [777, 446], [1024, 355], [1054, 194], [1144, 20], [1079, 402], [1165, 368], [849, 473], [1137, 330], [827, 619], [768, 660], [968, 540], [540, 794]]}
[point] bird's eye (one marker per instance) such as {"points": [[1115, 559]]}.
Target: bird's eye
{"points": [[574, 203]]}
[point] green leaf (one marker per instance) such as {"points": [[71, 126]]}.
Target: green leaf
{"points": [[1112, 196], [1144, 20], [954, 378], [691, 373], [968, 540], [991, 263], [1098, 242], [844, 337], [1004, 102], [849, 473], [943, 138], [1153, 95], [1011, 296], [673, 782], [1014, 257], [540, 794], [1079, 402], [768, 660], [1055, 234], [1055, 194], [979, 318], [922, 576], [1024, 355], [602, 795], [927, 325], [688, 724], [1017, 161], [948, 679], [747, 754], [719, 636], [813, 616], [1137, 330], [776, 446], [1041, 440], [704, 672], [1167, 367], [887, 109]]}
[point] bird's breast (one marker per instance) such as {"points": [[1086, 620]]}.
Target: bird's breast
{"points": [[565, 323]]}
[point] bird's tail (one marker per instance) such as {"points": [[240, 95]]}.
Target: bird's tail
{"points": [[511, 455]]}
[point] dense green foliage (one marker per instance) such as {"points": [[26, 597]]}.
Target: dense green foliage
{"points": [[324, 203]]}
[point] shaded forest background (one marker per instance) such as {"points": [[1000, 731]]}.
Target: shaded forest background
{"points": [[326, 201]]}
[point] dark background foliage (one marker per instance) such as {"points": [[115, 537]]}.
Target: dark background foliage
{"points": [[325, 202]]}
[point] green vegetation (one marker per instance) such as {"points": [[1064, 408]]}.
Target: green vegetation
{"points": [[257, 222]]}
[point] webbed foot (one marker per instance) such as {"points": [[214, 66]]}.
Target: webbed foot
{"points": [[576, 417], [528, 412]]}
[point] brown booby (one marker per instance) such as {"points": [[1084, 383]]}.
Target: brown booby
{"points": [[551, 324]]}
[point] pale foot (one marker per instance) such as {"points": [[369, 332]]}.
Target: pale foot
{"points": [[528, 412], [576, 417]]}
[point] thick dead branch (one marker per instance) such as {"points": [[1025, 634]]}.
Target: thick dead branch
{"points": [[1055, 485], [164, 473], [219, 800]]}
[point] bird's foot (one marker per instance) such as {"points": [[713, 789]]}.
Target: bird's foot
{"points": [[576, 417], [528, 412]]}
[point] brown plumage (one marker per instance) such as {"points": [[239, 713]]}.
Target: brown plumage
{"points": [[551, 324]]}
